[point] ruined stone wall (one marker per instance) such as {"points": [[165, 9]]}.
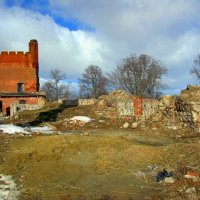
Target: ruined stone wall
{"points": [[67, 102], [183, 109], [119, 104], [15, 108], [125, 108], [85, 102], [8, 101], [188, 106], [20, 67], [149, 107]]}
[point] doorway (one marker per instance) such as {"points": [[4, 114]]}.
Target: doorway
{"points": [[8, 111], [1, 107]]}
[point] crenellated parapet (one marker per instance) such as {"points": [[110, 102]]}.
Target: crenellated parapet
{"points": [[15, 57], [20, 69]]}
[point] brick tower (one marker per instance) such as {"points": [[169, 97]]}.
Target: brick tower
{"points": [[19, 80], [33, 49]]}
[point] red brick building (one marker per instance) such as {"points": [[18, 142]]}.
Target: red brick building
{"points": [[19, 80]]}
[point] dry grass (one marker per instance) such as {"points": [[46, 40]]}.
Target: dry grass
{"points": [[67, 166], [97, 166]]}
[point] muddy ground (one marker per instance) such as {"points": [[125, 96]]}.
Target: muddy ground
{"points": [[98, 160]]}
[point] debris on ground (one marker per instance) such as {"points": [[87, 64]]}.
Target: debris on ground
{"points": [[170, 136], [126, 125], [192, 175], [134, 125], [162, 175], [169, 180], [8, 188]]}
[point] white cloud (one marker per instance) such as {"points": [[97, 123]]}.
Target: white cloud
{"points": [[168, 30], [69, 51]]}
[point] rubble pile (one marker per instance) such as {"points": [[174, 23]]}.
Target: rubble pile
{"points": [[167, 112], [109, 105], [120, 104], [167, 105], [183, 110], [174, 111], [86, 102], [188, 106]]}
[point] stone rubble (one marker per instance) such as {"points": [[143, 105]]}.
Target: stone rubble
{"points": [[8, 188], [183, 109], [174, 112]]}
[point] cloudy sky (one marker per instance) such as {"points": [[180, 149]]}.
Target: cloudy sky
{"points": [[73, 34]]}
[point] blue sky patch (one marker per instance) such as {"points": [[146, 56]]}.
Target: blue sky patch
{"points": [[72, 24], [10, 3], [42, 6]]}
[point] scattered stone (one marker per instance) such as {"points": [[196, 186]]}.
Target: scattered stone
{"points": [[126, 125], [50, 126], [8, 189], [139, 174], [16, 116], [191, 193], [152, 167], [192, 175], [86, 134], [134, 125], [162, 175], [169, 180]]}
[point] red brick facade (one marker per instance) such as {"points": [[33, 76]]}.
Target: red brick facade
{"points": [[20, 68], [19, 80], [137, 103], [7, 101]]}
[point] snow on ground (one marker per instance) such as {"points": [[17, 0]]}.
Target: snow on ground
{"points": [[43, 129], [8, 188], [81, 118], [13, 129]]}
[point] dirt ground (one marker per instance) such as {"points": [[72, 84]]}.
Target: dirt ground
{"points": [[98, 160]]}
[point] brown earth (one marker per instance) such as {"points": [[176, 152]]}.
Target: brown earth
{"points": [[98, 160]]}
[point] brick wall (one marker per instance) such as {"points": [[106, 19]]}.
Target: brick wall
{"points": [[20, 67], [8, 101], [21, 107]]}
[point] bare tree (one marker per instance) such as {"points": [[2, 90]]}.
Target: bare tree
{"points": [[139, 76], [54, 88], [195, 71], [93, 83]]}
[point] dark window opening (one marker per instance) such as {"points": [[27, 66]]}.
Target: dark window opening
{"points": [[22, 101], [8, 111], [20, 87], [1, 107]]}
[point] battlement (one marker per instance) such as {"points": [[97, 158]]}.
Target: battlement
{"points": [[15, 57], [20, 68]]}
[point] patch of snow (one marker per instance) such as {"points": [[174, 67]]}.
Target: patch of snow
{"points": [[13, 129], [81, 118], [8, 188], [43, 129]]}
